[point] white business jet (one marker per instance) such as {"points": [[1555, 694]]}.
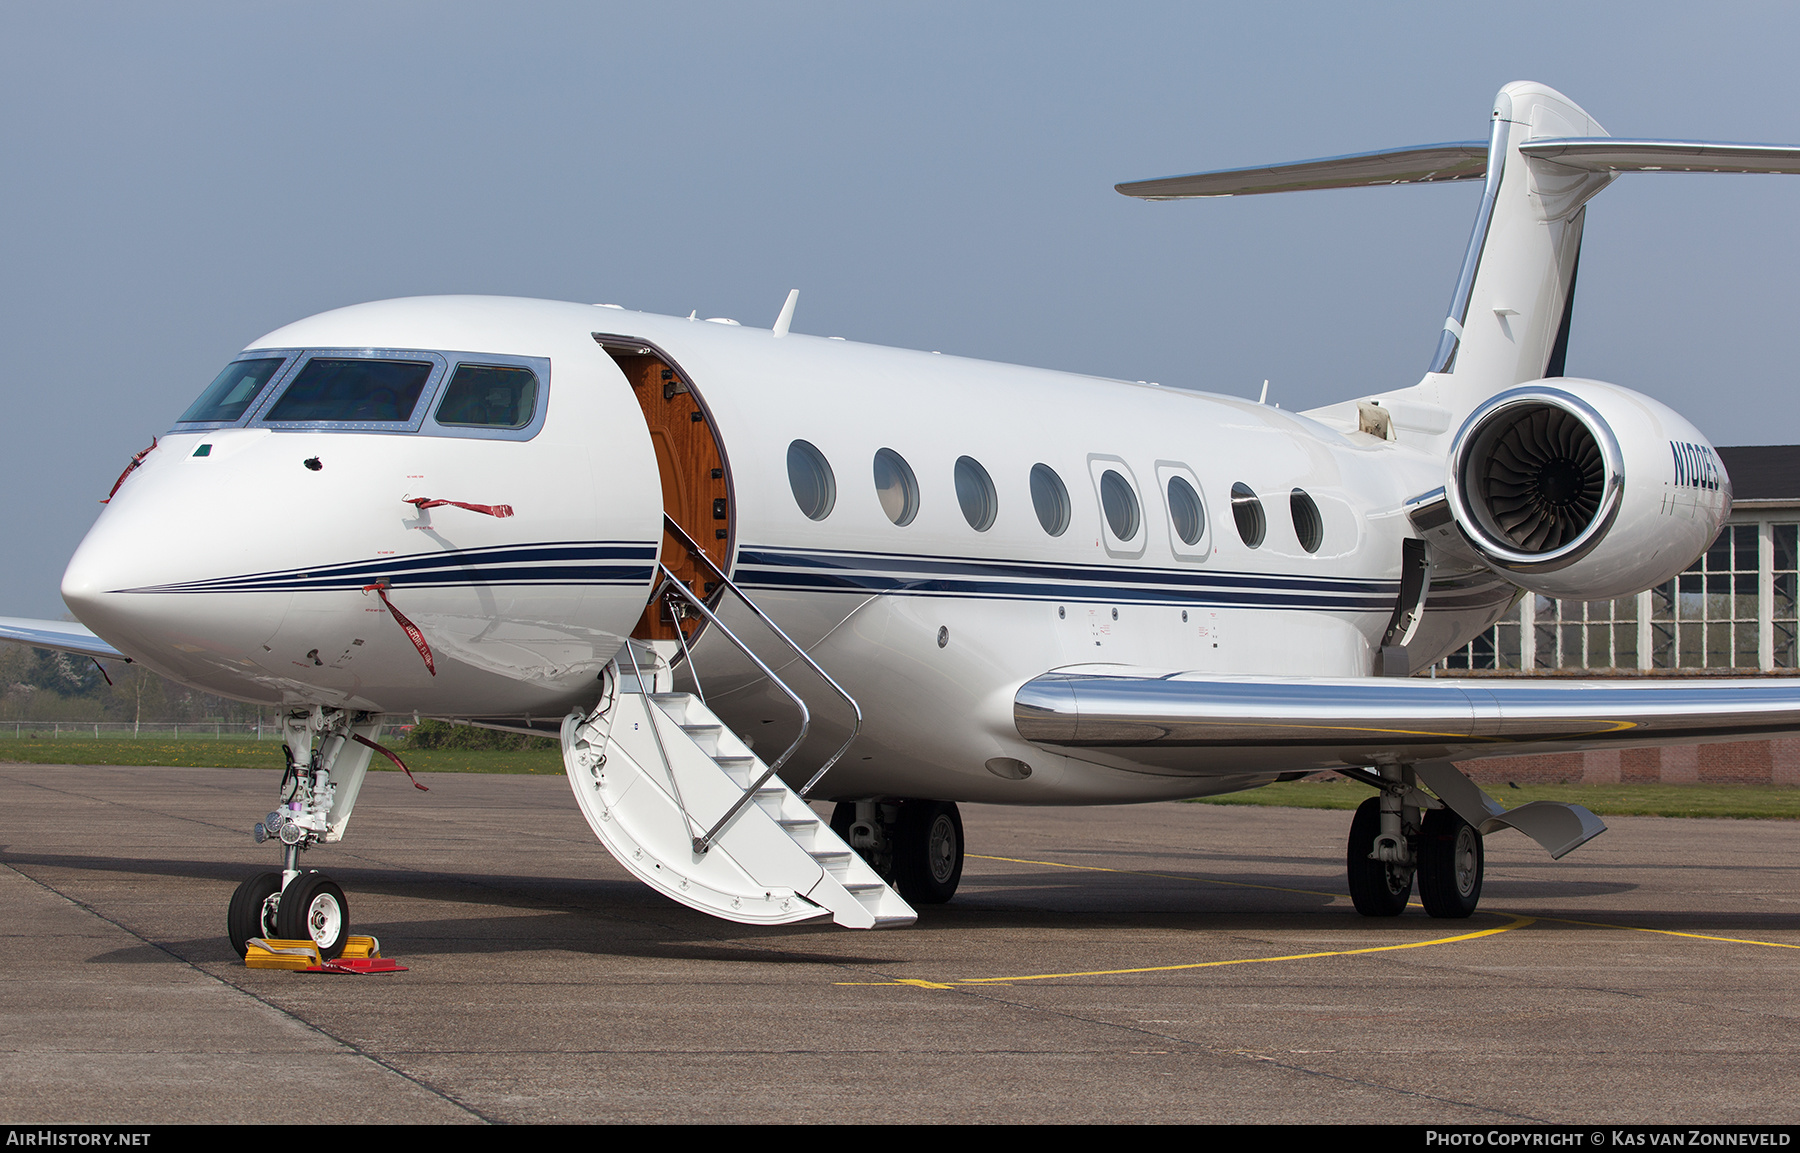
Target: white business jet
{"points": [[736, 569]]}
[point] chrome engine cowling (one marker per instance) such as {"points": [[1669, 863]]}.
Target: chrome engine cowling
{"points": [[1584, 490]]}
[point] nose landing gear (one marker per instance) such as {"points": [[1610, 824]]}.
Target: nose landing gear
{"points": [[325, 770]]}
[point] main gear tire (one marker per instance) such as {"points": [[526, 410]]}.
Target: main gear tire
{"points": [[928, 851], [1378, 888], [1451, 865]]}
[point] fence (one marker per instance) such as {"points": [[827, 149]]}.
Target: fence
{"points": [[127, 730]]}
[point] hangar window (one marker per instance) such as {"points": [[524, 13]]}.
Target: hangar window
{"points": [[230, 394], [815, 489], [489, 396]]}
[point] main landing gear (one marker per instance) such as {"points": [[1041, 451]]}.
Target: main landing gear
{"points": [[326, 764], [916, 846], [1405, 833]]}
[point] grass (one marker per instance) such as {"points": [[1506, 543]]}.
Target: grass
{"points": [[1742, 801], [1749, 802], [230, 754]]}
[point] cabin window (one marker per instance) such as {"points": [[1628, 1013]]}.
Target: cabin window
{"points": [[1247, 510], [489, 396], [230, 394], [1119, 504], [975, 493], [1185, 511], [333, 389], [896, 486], [815, 489], [1309, 526], [1050, 498]]}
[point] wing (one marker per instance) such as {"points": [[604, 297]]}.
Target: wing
{"points": [[63, 636], [1176, 722]]}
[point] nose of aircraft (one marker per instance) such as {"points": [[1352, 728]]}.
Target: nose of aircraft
{"points": [[133, 578]]}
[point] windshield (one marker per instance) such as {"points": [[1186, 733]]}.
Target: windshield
{"points": [[342, 389], [226, 398]]}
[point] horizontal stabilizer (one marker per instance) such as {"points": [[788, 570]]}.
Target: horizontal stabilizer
{"points": [[1468, 160], [1610, 154], [1421, 164], [62, 636]]}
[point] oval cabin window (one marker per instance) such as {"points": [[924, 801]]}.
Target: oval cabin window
{"points": [[815, 490], [1309, 526], [896, 487], [1119, 504], [1185, 510], [975, 493], [1050, 499], [1247, 510]]}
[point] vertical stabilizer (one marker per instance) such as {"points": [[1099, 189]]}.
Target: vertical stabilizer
{"points": [[1508, 320], [1511, 300]]}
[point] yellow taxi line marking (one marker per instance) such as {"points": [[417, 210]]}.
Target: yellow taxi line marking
{"points": [[1413, 904], [1516, 922], [1671, 933]]}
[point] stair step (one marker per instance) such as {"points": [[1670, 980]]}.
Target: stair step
{"points": [[774, 862]]}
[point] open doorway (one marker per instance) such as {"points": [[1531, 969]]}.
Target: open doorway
{"points": [[696, 479]]}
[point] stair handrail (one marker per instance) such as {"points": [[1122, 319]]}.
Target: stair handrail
{"points": [[699, 554], [661, 749], [673, 584]]}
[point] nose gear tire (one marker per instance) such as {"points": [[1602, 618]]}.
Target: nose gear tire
{"points": [[313, 908], [251, 913]]}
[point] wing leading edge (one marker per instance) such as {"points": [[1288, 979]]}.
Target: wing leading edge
{"points": [[1194, 723], [62, 636]]}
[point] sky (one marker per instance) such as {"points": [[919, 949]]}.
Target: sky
{"points": [[178, 179]]}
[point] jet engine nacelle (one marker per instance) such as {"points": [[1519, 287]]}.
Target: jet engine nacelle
{"points": [[1584, 490]]}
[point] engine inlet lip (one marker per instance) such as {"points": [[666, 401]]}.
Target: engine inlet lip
{"points": [[1503, 554]]}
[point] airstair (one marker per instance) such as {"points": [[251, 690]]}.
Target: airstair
{"points": [[691, 811]]}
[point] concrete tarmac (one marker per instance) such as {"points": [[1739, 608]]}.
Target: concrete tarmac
{"points": [[1139, 964]]}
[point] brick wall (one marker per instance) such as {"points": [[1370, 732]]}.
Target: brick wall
{"points": [[1762, 762]]}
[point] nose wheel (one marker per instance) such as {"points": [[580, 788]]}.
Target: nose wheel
{"points": [[252, 911], [311, 909]]}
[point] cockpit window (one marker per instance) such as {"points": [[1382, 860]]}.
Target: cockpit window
{"points": [[489, 396], [230, 394], [334, 389]]}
